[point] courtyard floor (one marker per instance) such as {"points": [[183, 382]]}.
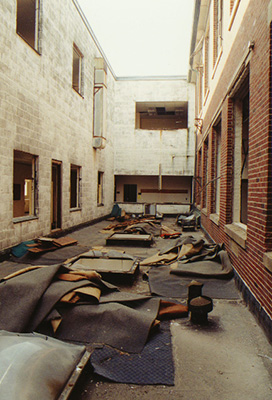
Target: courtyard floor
{"points": [[230, 358]]}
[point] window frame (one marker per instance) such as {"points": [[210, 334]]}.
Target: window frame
{"points": [[75, 184], [22, 183], [241, 128], [100, 188], [77, 70], [217, 166], [34, 43]]}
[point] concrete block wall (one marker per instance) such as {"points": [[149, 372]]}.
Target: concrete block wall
{"points": [[141, 152], [42, 115]]}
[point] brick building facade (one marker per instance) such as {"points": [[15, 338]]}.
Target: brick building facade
{"points": [[231, 66]]}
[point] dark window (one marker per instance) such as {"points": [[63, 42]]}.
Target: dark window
{"points": [[74, 186], [28, 21], [77, 70]]}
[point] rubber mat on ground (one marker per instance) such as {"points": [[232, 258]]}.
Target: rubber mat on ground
{"points": [[153, 366]]}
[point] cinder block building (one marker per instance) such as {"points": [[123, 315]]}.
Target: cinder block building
{"points": [[68, 125], [231, 66], [56, 169], [154, 144]]}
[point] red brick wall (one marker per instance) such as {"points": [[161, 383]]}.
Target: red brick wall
{"points": [[247, 262]]}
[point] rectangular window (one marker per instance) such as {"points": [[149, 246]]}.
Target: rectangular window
{"points": [[218, 28], [77, 82], [198, 178], [206, 52], [161, 115], [24, 184], [205, 173], [28, 21], [244, 156], [241, 131], [217, 167], [200, 90], [75, 180], [100, 188]]}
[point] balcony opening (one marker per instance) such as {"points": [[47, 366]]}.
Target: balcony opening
{"points": [[161, 115]]}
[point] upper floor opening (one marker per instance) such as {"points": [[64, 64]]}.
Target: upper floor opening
{"points": [[161, 115]]}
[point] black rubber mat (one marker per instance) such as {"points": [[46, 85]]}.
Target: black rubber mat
{"points": [[153, 366]]}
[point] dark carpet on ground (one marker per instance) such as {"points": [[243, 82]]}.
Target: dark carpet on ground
{"points": [[57, 256], [162, 283], [153, 366], [122, 325]]}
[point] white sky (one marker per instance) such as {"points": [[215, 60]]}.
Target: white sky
{"points": [[143, 37]]}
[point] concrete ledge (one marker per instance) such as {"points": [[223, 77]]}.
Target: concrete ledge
{"points": [[267, 260], [17, 220], [214, 218], [237, 233]]}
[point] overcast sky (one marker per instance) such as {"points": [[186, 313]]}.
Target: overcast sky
{"points": [[143, 37]]}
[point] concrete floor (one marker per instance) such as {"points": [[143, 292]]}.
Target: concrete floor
{"points": [[228, 359]]}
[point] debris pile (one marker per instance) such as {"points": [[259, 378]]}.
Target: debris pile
{"points": [[74, 293]]}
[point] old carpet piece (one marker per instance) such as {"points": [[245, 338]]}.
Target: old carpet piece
{"points": [[153, 366], [54, 292], [57, 256], [20, 295], [206, 268], [122, 325], [149, 228], [31, 300], [162, 283]]}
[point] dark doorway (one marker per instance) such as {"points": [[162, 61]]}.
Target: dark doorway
{"points": [[130, 193]]}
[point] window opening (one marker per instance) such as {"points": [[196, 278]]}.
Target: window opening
{"points": [[28, 21], [206, 62], [100, 188], [241, 136], [217, 167], [218, 27], [24, 184], [77, 70], [161, 116], [244, 168], [75, 186], [206, 173], [56, 195]]}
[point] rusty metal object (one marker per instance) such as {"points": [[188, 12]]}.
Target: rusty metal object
{"points": [[199, 308]]}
